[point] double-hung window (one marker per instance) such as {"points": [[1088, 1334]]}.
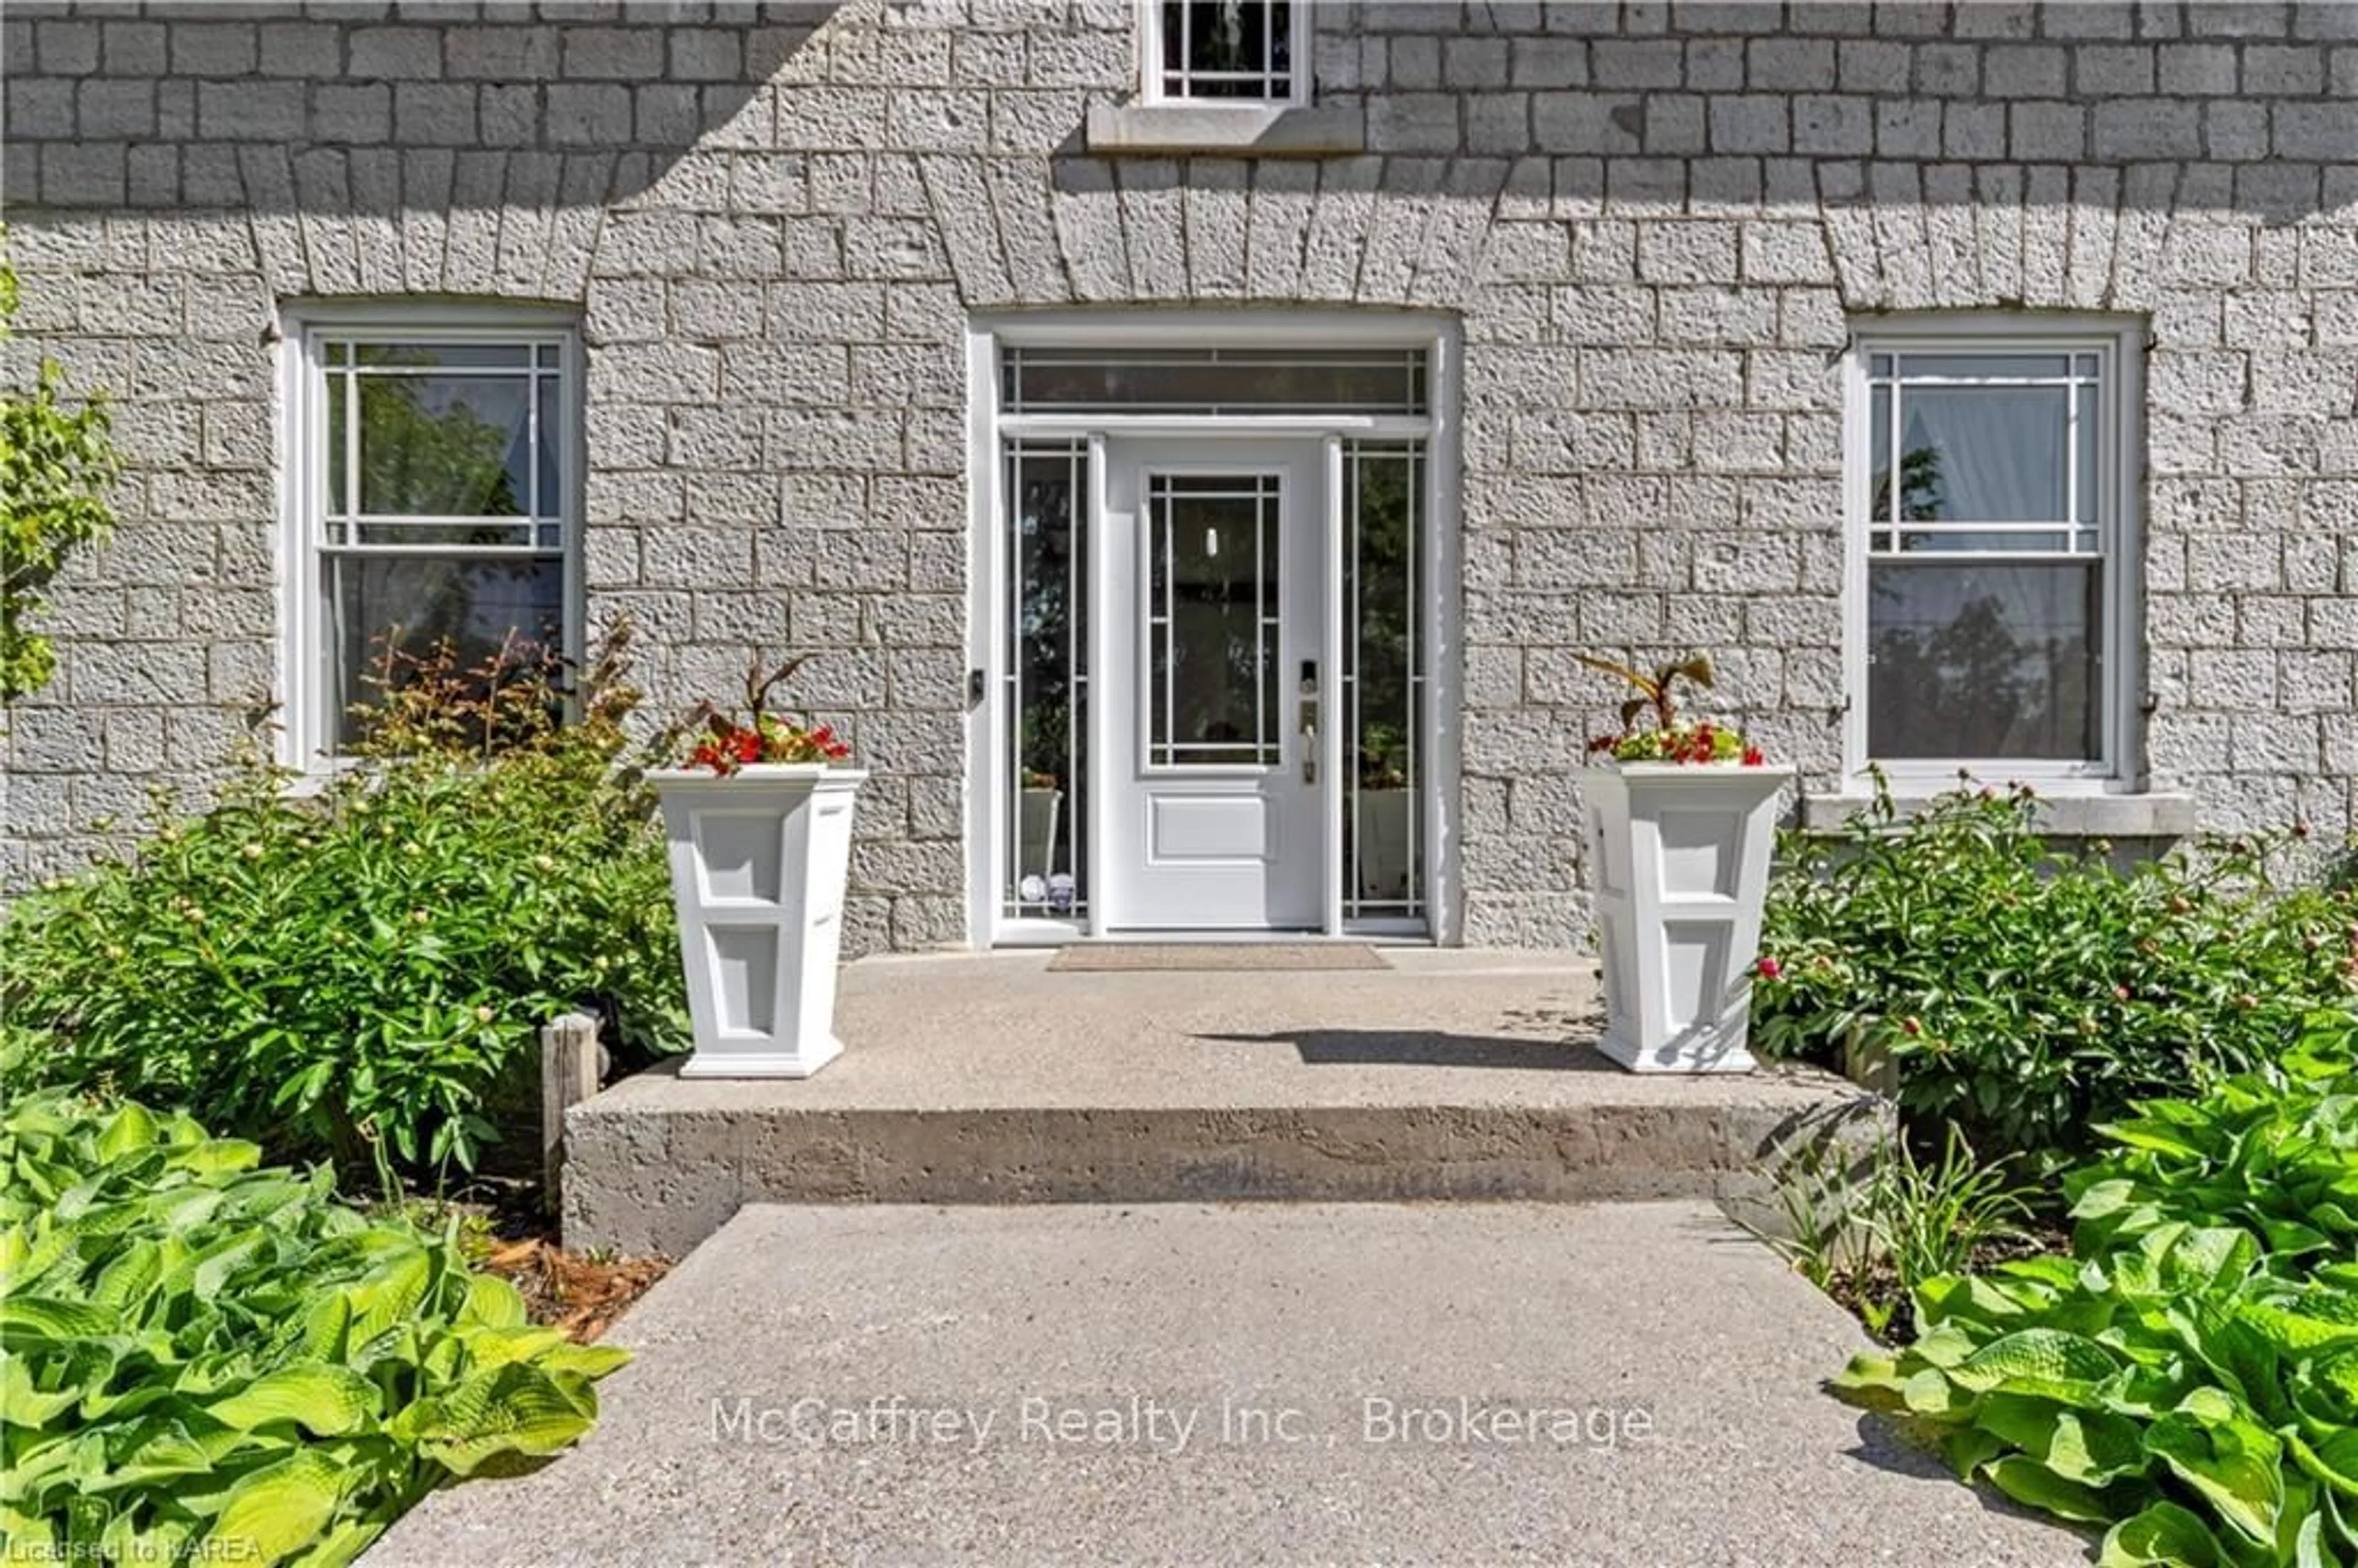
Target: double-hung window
{"points": [[1993, 549], [434, 500], [1249, 52]]}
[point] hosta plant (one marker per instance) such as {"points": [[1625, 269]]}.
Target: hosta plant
{"points": [[1652, 729], [2188, 1380], [210, 1360]]}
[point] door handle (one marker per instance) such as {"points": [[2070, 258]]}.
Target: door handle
{"points": [[1310, 739]]}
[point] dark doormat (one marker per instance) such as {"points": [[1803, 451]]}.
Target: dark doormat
{"points": [[1110, 957]]}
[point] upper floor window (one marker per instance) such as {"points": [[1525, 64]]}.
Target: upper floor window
{"points": [[436, 502], [1992, 530], [1249, 52]]}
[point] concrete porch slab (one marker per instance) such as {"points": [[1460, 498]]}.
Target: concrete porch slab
{"points": [[770, 1416], [986, 1078]]}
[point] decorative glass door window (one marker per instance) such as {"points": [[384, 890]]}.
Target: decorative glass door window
{"points": [[1226, 51], [1047, 680], [1988, 541], [444, 504], [1212, 620]]}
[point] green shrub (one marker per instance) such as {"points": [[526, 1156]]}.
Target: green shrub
{"points": [[369, 961], [2027, 991], [215, 1362], [2189, 1378], [58, 462]]}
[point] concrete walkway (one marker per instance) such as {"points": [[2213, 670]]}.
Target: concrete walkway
{"points": [[1227, 1384]]}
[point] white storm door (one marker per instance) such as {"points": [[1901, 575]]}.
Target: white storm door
{"points": [[1216, 576]]}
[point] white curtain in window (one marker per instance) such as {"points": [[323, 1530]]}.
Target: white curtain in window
{"points": [[1998, 452]]}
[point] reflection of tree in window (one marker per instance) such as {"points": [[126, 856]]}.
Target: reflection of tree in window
{"points": [[446, 462], [2006, 673], [1379, 597], [1919, 489], [454, 449], [1048, 626]]}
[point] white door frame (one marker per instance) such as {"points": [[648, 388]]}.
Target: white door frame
{"points": [[986, 788]]}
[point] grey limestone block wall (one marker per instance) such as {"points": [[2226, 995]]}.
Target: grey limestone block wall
{"points": [[1655, 223]]}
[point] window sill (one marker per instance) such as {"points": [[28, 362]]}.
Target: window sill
{"points": [[1178, 130], [2087, 815]]}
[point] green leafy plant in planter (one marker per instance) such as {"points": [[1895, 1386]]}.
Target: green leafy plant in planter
{"points": [[2026, 991], [212, 1361], [369, 964], [1668, 739]]}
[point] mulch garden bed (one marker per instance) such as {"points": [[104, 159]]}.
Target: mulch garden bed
{"points": [[1872, 1289], [508, 1231]]}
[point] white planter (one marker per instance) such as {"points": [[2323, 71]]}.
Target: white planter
{"points": [[758, 864], [1383, 844], [1678, 860], [1036, 814]]}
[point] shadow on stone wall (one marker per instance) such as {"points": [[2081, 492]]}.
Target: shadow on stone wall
{"points": [[340, 108]]}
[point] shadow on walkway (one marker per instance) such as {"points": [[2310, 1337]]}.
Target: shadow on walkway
{"points": [[1427, 1048]]}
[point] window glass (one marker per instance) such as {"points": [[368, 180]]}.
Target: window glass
{"points": [[1983, 454], [1226, 49], [444, 505], [1214, 381], [411, 604], [1382, 689], [1983, 661], [1048, 681], [1977, 366], [446, 447], [1986, 529], [1212, 624]]}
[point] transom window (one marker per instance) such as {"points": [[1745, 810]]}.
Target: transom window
{"points": [[1990, 514], [1213, 381], [1226, 51], [440, 510]]}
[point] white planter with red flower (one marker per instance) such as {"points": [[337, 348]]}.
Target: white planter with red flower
{"points": [[1681, 824], [760, 835]]}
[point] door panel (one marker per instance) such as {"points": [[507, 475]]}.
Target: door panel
{"points": [[1214, 586]]}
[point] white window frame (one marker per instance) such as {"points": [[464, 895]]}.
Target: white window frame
{"points": [[1152, 67], [306, 736], [2120, 466]]}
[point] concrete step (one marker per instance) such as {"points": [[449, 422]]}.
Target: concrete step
{"points": [[989, 1079]]}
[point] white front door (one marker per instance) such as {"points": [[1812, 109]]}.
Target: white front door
{"points": [[1215, 814]]}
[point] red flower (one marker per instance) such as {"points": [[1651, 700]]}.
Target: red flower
{"points": [[747, 745], [1769, 969], [1753, 757]]}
